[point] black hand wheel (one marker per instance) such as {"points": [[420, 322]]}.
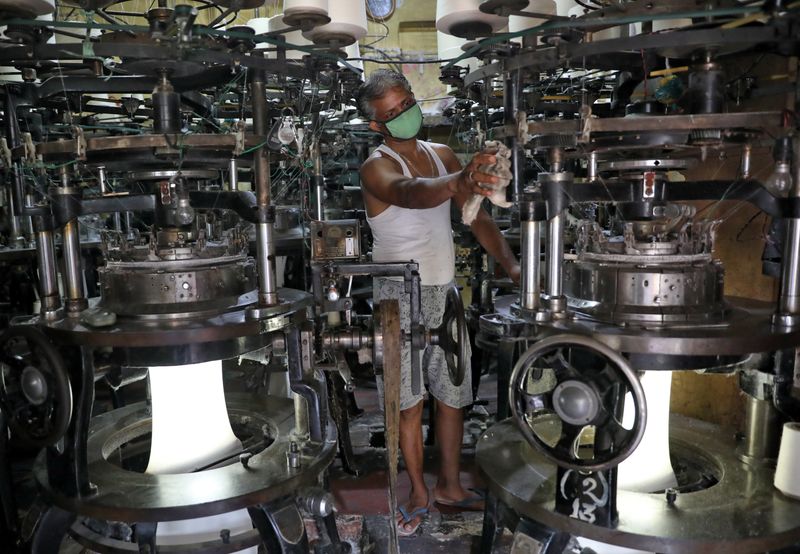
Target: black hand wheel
{"points": [[566, 386], [35, 392], [453, 336]]}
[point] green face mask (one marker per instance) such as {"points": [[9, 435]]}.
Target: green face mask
{"points": [[406, 124]]}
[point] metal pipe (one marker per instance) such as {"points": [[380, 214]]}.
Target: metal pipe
{"points": [[762, 429], [554, 251], [233, 175], [510, 109], [747, 151], [265, 252], [101, 179], [265, 244], [789, 302], [319, 180], [531, 240], [48, 273], [73, 276], [592, 167]]}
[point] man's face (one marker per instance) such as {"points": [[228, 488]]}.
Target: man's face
{"points": [[388, 106]]}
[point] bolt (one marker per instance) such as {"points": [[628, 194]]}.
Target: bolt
{"points": [[293, 456], [244, 458], [671, 495]]}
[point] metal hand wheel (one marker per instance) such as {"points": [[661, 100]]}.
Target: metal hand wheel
{"points": [[453, 336], [565, 387], [35, 392]]}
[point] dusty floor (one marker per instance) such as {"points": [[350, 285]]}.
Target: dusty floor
{"points": [[445, 529]]}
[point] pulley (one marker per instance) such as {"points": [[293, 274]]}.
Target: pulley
{"points": [[566, 395], [453, 336], [35, 392]]}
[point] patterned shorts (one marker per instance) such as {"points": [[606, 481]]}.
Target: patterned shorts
{"points": [[434, 366]]}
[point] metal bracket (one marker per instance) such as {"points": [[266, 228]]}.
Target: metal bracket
{"points": [[239, 137], [522, 128], [30, 148], [5, 151], [80, 143]]}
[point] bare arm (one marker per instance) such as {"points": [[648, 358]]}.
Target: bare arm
{"points": [[484, 228], [381, 179]]}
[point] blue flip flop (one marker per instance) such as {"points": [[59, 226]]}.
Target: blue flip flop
{"points": [[408, 517], [467, 503]]}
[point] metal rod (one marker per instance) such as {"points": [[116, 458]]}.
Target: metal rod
{"points": [[101, 179], [554, 255], [592, 167], [762, 429], [265, 244], [73, 276], [789, 302], [48, 275], [510, 109], [747, 151], [316, 158], [233, 175], [531, 240]]}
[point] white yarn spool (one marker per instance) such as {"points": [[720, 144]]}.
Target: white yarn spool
{"points": [[353, 53], [649, 468], [450, 47], [305, 7], [517, 23], [27, 7], [564, 6], [605, 34], [787, 475], [463, 18], [348, 23]]}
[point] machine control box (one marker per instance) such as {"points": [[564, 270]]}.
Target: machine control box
{"points": [[338, 239]]}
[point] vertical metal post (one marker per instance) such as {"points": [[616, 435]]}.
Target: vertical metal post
{"points": [[592, 167], [510, 109], [552, 188], [789, 301], [265, 241], [554, 255], [747, 151], [48, 273], [319, 180], [762, 429], [531, 243], [71, 250], [233, 175]]}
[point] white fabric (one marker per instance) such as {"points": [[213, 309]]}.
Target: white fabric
{"points": [[425, 236], [649, 468], [191, 430]]}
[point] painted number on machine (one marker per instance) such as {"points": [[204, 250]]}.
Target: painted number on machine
{"points": [[589, 493]]}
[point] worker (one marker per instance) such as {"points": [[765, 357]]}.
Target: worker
{"points": [[408, 185]]}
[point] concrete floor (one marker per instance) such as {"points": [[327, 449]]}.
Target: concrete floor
{"points": [[365, 497]]}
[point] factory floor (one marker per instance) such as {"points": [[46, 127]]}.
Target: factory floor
{"points": [[362, 500]]}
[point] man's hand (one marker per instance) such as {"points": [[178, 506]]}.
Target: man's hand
{"points": [[515, 272], [470, 179]]}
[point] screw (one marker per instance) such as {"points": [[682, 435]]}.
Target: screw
{"points": [[244, 458], [225, 535], [293, 456], [672, 495]]}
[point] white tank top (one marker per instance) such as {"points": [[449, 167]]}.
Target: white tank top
{"points": [[424, 236]]}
